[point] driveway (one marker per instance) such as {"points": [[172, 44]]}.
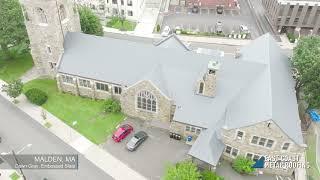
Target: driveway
{"points": [[151, 158]]}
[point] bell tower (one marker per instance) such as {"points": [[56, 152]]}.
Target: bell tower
{"points": [[206, 86], [47, 22]]}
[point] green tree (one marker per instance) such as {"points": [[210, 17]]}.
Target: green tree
{"points": [[90, 23], [112, 106], [13, 89], [12, 29], [306, 60], [182, 171], [209, 175], [243, 165]]}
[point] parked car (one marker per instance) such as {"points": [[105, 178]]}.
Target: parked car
{"points": [[137, 140], [244, 29], [166, 31], [195, 9], [122, 132], [219, 27], [219, 9]]}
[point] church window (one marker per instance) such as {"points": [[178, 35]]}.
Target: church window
{"points": [[201, 87], [130, 13], [84, 83], [117, 89], [102, 87], [62, 12], [52, 65], [42, 16], [129, 3], [147, 101], [67, 79]]}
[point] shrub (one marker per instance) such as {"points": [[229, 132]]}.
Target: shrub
{"points": [[158, 28], [36, 96], [209, 175], [112, 106], [182, 170], [243, 165], [291, 37]]}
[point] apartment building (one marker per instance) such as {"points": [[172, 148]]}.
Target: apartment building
{"points": [[131, 9], [301, 16]]}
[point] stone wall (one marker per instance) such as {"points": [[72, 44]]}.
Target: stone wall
{"points": [[180, 128], [128, 102], [90, 92], [46, 38], [272, 132]]}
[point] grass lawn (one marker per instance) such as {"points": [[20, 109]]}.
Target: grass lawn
{"points": [[14, 68], [91, 121], [116, 23], [14, 176], [313, 172]]}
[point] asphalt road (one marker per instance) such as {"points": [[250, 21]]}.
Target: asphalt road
{"points": [[17, 130]]}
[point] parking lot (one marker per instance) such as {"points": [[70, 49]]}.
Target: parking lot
{"points": [[206, 18], [152, 156]]}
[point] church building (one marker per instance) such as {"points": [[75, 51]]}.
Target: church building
{"points": [[226, 105]]}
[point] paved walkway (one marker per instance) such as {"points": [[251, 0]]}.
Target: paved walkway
{"points": [[102, 159]]}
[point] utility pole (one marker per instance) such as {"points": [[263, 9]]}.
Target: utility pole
{"points": [[15, 158]]}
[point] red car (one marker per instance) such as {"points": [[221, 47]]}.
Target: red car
{"points": [[122, 132]]}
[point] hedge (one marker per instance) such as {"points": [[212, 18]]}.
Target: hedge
{"points": [[36, 96]]}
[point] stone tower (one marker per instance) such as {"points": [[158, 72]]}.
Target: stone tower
{"points": [[206, 86], [47, 22]]}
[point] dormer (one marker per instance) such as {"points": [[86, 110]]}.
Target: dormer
{"points": [[206, 86]]}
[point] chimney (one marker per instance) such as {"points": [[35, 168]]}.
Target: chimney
{"points": [[206, 86]]}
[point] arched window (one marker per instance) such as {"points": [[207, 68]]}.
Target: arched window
{"points": [[146, 101], [42, 16], [62, 12], [201, 86]]}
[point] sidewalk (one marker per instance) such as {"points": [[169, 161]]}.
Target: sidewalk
{"points": [[102, 159]]}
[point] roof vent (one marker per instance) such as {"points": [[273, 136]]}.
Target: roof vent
{"points": [[237, 54], [213, 65]]}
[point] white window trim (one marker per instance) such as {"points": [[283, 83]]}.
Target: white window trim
{"points": [[95, 87], [289, 148], [243, 136], [145, 110], [265, 144], [195, 131], [114, 90], [73, 79], [230, 155], [90, 84]]}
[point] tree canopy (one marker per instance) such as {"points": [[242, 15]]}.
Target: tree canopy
{"points": [[12, 28], [182, 171], [306, 60], [90, 23]]}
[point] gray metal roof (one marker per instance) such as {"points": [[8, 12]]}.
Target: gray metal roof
{"points": [[272, 91], [254, 88], [174, 42]]}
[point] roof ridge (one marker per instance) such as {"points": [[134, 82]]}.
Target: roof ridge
{"points": [[173, 35]]}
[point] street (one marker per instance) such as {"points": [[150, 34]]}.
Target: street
{"points": [[25, 136]]}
